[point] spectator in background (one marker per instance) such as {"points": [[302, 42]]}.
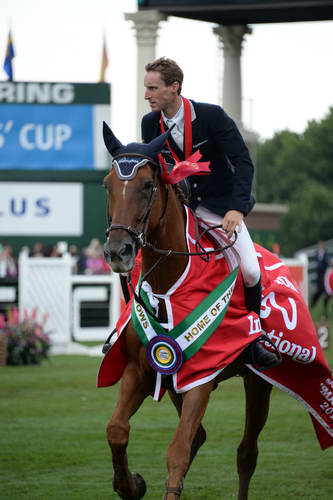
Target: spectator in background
{"points": [[75, 256], [79, 258], [57, 250], [82, 262], [8, 264], [38, 250], [322, 261], [276, 249], [95, 262], [51, 251]]}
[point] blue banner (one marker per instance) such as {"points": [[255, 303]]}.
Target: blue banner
{"points": [[46, 137]]}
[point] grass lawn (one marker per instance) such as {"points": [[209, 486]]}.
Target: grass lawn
{"points": [[53, 447]]}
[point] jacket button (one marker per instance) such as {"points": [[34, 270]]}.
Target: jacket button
{"points": [[195, 186], [199, 198]]}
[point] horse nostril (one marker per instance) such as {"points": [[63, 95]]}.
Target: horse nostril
{"points": [[118, 253], [126, 250]]}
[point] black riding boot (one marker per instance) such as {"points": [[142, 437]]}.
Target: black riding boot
{"points": [[255, 353]]}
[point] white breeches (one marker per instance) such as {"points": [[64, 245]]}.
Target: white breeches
{"points": [[244, 246]]}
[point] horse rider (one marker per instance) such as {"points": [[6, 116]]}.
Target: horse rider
{"points": [[322, 262], [223, 197]]}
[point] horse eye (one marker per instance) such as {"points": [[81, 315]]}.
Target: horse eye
{"points": [[148, 185]]}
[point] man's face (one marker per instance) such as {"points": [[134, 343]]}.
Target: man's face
{"points": [[159, 95]]}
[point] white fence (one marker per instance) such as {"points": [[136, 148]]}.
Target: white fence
{"points": [[48, 285]]}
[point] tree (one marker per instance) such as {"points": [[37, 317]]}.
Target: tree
{"points": [[309, 218], [278, 166], [298, 169], [318, 149]]}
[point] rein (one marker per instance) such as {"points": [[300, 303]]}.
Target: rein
{"points": [[166, 253], [200, 253], [140, 237]]}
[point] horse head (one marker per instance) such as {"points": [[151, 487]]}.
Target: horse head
{"points": [[134, 201]]}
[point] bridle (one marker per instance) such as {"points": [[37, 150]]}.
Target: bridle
{"points": [[140, 236]]}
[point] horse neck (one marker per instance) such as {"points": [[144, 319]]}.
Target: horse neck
{"points": [[168, 235]]}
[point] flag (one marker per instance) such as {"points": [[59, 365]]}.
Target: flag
{"points": [[104, 62], [10, 54]]}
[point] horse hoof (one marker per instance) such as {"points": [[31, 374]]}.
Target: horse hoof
{"points": [[140, 484], [140, 489]]}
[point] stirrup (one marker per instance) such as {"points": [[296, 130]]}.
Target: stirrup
{"points": [[107, 345], [176, 490], [250, 356], [266, 338]]}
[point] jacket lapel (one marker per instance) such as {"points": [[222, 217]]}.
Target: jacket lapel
{"points": [[196, 136], [175, 148]]}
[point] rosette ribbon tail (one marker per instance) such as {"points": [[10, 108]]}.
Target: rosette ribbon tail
{"points": [[183, 169]]}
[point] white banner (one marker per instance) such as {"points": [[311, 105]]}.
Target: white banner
{"points": [[41, 209]]}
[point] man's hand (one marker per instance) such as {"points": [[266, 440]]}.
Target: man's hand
{"points": [[231, 220]]}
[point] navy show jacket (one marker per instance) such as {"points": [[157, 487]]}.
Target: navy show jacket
{"points": [[218, 139]]}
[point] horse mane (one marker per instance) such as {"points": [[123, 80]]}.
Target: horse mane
{"points": [[182, 198]]}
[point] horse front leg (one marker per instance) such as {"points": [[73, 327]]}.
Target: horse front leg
{"points": [[200, 436], [132, 393], [181, 451], [257, 393]]}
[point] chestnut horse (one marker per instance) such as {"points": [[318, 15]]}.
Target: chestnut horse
{"points": [[146, 213]]}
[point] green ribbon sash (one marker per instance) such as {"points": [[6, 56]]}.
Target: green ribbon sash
{"points": [[193, 331]]}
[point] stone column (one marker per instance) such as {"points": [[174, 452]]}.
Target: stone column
{"points": [[231, 38], [146, 25]]}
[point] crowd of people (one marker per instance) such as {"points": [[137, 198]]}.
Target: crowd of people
{"points": [[88, 260]]}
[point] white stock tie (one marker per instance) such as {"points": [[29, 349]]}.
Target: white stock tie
{"points": [[177, 135]]}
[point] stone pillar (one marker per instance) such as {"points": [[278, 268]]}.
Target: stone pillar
{"points": [[146, 25], [231, 38]]}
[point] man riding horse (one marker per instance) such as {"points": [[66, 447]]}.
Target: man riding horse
{"points": [[185, 327], [223, 197]]}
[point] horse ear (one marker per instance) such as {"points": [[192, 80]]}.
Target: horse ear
{"points": [[111, 142], [156, 144]]}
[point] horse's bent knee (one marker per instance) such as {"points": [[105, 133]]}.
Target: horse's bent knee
{"points": [[117, 433]]}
